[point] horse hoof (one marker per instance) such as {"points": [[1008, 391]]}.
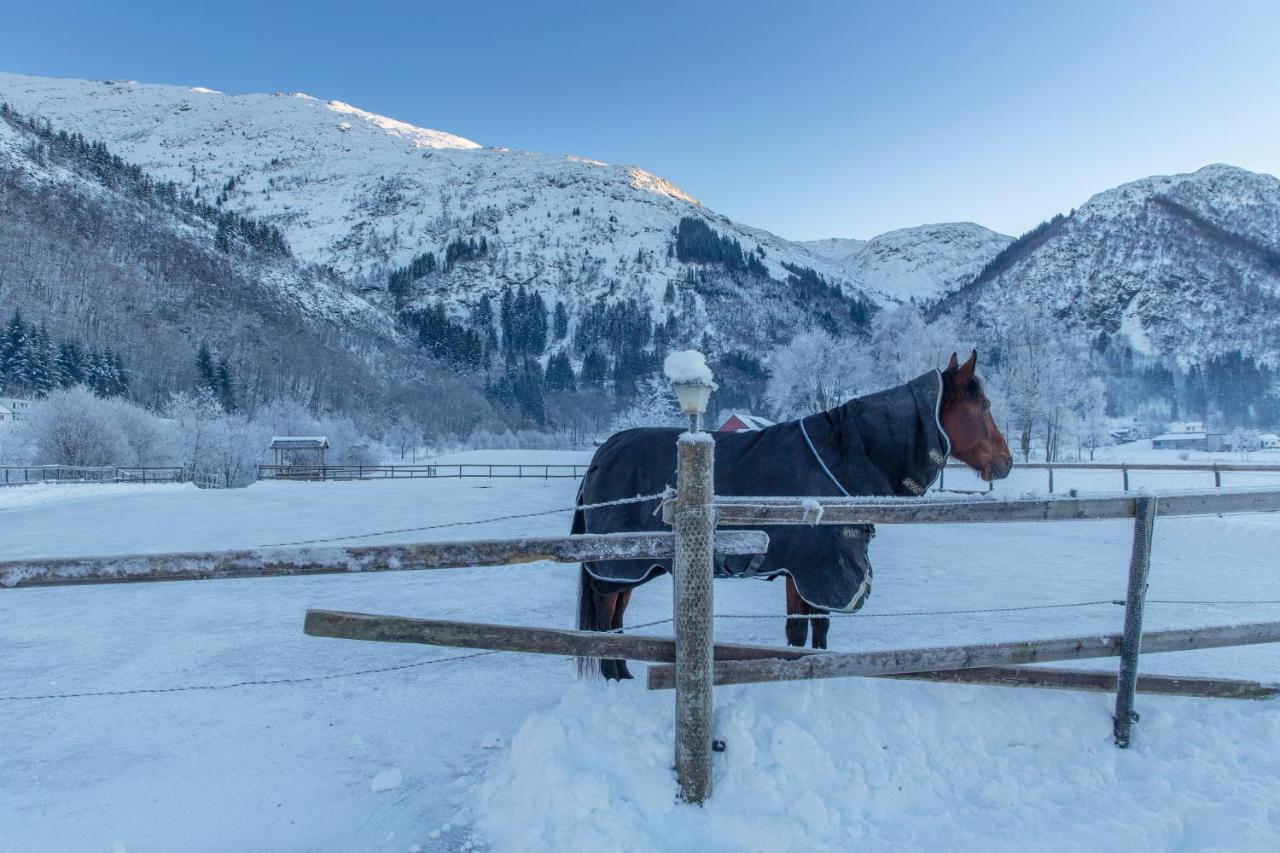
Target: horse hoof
{"points": [[622, 671]]}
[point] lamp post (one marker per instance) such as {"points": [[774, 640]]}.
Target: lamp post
{"points": [[693, 397], [692, 571]]}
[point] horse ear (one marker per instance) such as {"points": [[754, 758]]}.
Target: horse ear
{"points": [[966, 369], [953, 364]]}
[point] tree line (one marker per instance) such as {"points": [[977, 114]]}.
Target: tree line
{"points": [[33, 363]]}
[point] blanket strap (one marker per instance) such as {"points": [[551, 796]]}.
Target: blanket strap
{"points": [[817, 456]]}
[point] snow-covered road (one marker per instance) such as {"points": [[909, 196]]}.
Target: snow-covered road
{"points": [[291, 766]]}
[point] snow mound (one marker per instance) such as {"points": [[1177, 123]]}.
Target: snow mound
{"points": [[687, 367], [869, 765], [386, 780]]}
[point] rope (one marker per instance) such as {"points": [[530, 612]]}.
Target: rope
{"points": [[266, 682], [915, 612], [1118, 602], [582, 507], [253, 683]]}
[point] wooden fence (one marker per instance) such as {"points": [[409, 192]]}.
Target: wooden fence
{"points": [[690, 661], [399, 472], [16, 475], [1217, 469]]}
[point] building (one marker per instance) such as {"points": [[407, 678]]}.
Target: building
{"points": [[1270, 441], [299, 449], [1210, 442], [14, 409], [744, 422]]}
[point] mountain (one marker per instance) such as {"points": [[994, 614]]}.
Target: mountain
{"points": [[1184, 268], [363, 194], [921, 263], [111, 261]]}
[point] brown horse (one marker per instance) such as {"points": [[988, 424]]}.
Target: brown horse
{"points": [[965, 416], [893, 442]]}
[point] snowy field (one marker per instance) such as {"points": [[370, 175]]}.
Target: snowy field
{"points": [[510, 752]]}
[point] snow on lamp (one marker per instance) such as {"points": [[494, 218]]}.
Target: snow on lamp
{"points": [[691, 378]]}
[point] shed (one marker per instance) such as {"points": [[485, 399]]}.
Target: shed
{"points": [[1211, 442], [744, 422], [290, 449]]}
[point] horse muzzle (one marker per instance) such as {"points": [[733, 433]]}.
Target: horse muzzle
{"points": [[998, 469]]}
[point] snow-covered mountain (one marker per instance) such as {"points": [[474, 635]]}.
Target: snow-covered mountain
{"points": [[364, 194], [921, 263], [1185, 267]]}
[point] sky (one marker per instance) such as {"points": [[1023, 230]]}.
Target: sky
{"points": [[841, 119]]}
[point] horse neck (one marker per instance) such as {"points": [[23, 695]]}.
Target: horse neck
{"points": [[887, 426]]}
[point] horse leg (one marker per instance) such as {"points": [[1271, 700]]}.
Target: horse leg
{"points": [[624, 598], [797, 629], [820, 627], [604, 604]]}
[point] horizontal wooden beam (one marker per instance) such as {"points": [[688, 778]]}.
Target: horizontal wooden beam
{"points": [[1134, 466], [1096, 681], [321, 559], [844, 664], [517, 638], [761, 511]]}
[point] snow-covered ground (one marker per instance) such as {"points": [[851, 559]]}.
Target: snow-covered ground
{"points": [[512, 753]]}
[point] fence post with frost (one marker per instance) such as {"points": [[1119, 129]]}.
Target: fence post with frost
{"points": [[692, 572]]}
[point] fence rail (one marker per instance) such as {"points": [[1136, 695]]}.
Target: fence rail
{"points": [[11, 475], [755, 511], [464, 470], [1217, 469], [323, 560]]}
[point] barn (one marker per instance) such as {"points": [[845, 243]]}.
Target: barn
{"points": [[744, 422]]}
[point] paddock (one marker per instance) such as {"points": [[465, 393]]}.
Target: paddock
{"points": [[314, 746]]}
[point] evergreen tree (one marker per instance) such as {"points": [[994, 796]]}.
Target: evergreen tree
{"points": [[560, 373], [561, 321]]}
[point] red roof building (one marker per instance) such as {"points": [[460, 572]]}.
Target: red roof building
{"points": [[744, 422]]}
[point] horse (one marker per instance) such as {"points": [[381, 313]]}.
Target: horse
{"points": [[890, 443]]}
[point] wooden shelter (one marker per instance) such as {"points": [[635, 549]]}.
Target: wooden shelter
{"points": [[299, 449]]}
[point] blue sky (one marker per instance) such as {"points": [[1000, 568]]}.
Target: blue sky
{"points": [[809, 119]]}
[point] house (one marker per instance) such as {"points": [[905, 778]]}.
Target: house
{"points": [[14, 409], [1211, 442], [744, 422], [1270, 441]]}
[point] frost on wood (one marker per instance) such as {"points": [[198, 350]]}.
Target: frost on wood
{"points": [[307, 560], [687, 367]]}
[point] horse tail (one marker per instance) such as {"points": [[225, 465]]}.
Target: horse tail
{"points": [[586, 598]]}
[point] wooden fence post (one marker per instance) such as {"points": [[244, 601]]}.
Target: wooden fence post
{"points": [[692, 575], [1217, 476], [1144, 516], [1126, 478]]}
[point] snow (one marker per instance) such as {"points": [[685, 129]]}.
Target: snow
{"points": [[386, 780], [510, 752], [921, 263], [687, 367]]}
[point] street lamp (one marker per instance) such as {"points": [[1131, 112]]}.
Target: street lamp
{"points": [[688, 372], [693, 398]]}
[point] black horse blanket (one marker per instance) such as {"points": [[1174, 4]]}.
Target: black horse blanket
{"points": [[887, 443]]}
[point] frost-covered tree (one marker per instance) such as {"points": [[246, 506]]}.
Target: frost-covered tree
{"points": [[73, 427], [816, 372], [654, 404]]}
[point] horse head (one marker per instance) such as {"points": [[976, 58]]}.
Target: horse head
{"points": [[965, 415]]}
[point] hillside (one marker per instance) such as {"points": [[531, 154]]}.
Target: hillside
{"points": [[1184, 268], [922, 263], [109, 259]]}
